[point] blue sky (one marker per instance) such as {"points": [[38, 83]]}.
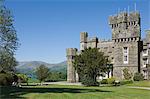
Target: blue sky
{"points": [[46, 28]]}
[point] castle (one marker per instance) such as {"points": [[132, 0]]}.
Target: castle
{"points": [[125, 50]]}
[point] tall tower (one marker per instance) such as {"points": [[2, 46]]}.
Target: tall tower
{"points": [[83, 40], [71, 73], [126, 34]]}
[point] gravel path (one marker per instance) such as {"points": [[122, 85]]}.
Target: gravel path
{"points": [[59, 83]]}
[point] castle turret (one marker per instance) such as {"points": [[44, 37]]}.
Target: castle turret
{"points": [[126, 36], [71, 73], [83, 40]]}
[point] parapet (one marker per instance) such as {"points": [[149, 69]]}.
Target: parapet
{"points": [[124, 17], [71, 51], [133, 16], [113, 20], [93, 39]]}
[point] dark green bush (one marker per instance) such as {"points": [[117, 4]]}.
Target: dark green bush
{"points": [[6, 79], [138, 77], [104, 81], [88, 81], [126, 82]]}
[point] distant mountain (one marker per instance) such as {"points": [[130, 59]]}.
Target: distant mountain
{"points": [[29, 67]]}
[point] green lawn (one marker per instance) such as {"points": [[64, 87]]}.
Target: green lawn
{"points": [[141, 84], [73, 92]]}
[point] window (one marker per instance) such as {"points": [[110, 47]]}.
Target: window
{"points": [[125, 50], [125, 58], [125, 55], [148, 45], [145, 61], [145, 52]]}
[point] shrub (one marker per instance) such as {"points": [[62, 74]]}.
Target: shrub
{"points": [[138, 77], [126, 82], [6, 79], [104, 81], [88, 81], [127, 75], [111, 80]]}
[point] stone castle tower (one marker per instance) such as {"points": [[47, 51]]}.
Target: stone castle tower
{"points": [[71, 73], [126, 35]]}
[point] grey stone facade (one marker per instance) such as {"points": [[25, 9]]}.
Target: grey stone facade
{"points": [[145, 56], [125, 50]]}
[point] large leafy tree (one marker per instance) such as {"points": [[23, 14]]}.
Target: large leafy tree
{"points": [[42, 72], [89, 64], [8, 39]]}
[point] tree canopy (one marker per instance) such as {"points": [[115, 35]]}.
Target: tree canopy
{"points": [[89, 64], [8, 40], [42, 72]]}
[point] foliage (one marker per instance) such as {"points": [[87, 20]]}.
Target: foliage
{"points": [[42, 72], [126, 73], [56, 76], [123, 82], [8, 40], [22, 78], [104, 81], [89, 64], [111, 80], [138, 77], [6, 79], [7, 61]]}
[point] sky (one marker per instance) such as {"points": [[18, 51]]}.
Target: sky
{"points": [[45, 28]]}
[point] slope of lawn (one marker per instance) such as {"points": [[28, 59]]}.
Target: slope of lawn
{"points": [[73, 92]]}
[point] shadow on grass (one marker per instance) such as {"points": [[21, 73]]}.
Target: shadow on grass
{"points": [[14, 92]]}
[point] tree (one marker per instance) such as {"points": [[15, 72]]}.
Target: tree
{"points": [[89, 65], [127, 75], [22, 78], [8, 40], [42, 72]]}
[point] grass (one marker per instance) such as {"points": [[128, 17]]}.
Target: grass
{"points": [[73, 92], [141, 84]]}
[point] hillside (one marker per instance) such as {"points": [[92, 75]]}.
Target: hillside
{"points": [[30, 67]]}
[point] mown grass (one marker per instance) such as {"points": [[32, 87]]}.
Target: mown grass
{"points": [[73, 92], [140, 84]]}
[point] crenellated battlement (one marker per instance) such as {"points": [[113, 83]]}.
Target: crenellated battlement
{"points": [[83, 37], [125, 25]]}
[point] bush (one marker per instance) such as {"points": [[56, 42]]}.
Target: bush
{"points": [[126, 73], [111, 80], [88, 81], [138, 77], [104, 81], [6, 79], [126, 82]]}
